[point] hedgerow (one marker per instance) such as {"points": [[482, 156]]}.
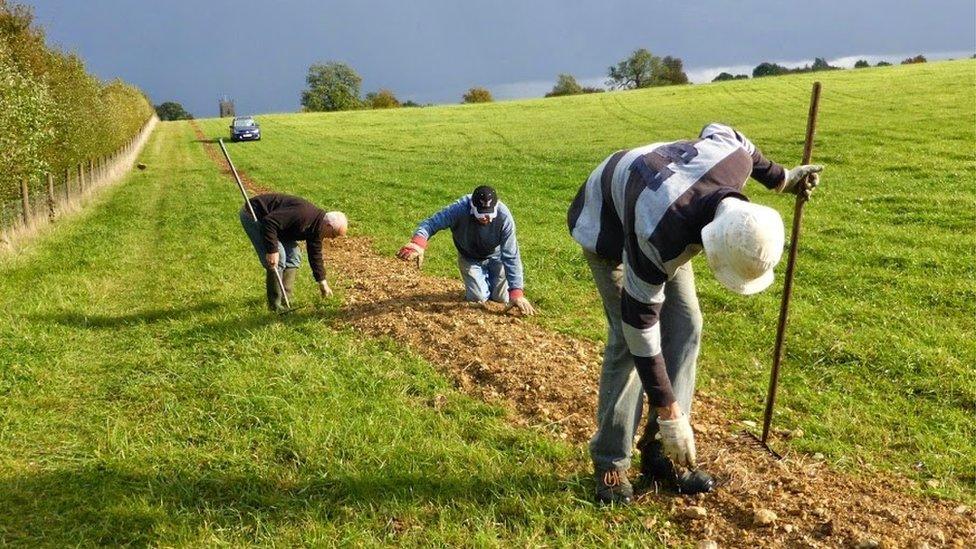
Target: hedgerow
{"points": [[53, 113]]}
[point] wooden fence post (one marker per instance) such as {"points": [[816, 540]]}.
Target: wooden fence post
{"points": [[25, 202], [50, 196]]}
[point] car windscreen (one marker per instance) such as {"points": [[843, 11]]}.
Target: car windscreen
{"points": [[244, 123]]}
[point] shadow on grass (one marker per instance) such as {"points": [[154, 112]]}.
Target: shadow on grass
{"points": [[239, 326], [256, 316], [110, 506], [83, 320]]}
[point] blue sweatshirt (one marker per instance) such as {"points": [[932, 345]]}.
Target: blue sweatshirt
{"points": [[476, 242]]}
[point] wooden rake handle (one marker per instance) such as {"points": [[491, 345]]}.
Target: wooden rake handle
{"points": [[784, 309]]}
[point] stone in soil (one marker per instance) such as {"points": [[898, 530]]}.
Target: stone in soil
{"points": [[694, 512], [764, 517]]}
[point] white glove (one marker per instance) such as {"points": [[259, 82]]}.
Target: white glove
{"points": [[412, 252], [805, 174], [678, 440], [523, 305]]}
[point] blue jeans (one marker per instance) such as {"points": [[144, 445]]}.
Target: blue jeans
{"points": [[289, 254], [483, 280], [621, 396]]}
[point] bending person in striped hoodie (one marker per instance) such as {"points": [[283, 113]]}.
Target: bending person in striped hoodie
{"points": [[640, 217], [488, 254]]}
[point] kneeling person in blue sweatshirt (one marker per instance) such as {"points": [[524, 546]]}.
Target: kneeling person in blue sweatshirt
{"points": [[488, 255]]}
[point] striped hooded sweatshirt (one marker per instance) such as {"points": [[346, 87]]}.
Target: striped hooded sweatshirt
{"points": [[646, 207]]}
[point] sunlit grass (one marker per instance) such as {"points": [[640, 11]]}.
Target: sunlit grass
{"points": [[149, 399], [880, 354]]}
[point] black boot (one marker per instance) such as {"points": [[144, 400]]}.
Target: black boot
{"points": [[613, 487], [273, 292], [657, 471], [288, 281]]}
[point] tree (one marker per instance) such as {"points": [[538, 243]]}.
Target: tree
{"points": [[883, 64], [637, 71], [821, 64], [566, 84], [768, 69], [673, 71], [171, 110], [642, 69], [410, 103], [912, 60], [383, 99], [331, 87], [477, 95], [861, 63], [726, 76], [592, 89]]}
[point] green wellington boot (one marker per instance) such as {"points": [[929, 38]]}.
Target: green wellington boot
{"points": [[274, 292], [288, 281]]}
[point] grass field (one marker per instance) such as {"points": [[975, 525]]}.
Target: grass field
{"points": [[879, 366], [148, 399]]}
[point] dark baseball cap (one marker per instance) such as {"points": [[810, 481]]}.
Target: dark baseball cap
{"points": [[484, 201]]}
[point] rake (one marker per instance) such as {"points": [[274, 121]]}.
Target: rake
{"points": [[784, 309], [250, 208]]}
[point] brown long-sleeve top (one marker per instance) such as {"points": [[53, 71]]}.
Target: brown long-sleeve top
{"points": [[289, 218]]}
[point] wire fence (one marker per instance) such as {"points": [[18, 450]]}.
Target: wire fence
{"points": [[42, 202]]}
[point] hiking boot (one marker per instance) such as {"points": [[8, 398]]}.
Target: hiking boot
{"points": [[613, 488], [657, 471], [288, 281], [273, 292]]}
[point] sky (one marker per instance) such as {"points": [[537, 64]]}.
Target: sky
{"points": [[258, 52]]}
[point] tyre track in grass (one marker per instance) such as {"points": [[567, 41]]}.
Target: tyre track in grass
{"points": [[548, 381]]}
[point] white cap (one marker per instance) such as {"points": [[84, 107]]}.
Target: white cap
{"points": [[742, 244]]}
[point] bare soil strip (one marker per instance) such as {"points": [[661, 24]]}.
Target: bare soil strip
{"points": [[213, 151], [549, 381]]}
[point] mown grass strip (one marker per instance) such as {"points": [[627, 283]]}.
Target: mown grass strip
{"points": [[150, 400]]}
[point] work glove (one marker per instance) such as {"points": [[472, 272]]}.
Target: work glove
{"points": [[801, 180], [523, 305], [678, 441], [324, 289], [413, 250], [517, 299]]}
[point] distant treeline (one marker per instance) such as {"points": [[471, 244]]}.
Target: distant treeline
{"points": [[819, 64], [53, 114], [336, 86]]}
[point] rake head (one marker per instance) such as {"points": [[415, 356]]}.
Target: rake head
{"points": [[761, 443]]}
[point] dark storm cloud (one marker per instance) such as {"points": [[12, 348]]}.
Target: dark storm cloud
{"points": [[430, 51]]}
